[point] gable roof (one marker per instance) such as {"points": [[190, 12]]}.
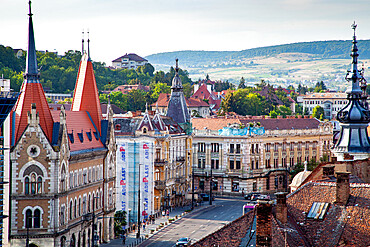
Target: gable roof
{"points": [[79, 125], [164, 99], [86, 96]]}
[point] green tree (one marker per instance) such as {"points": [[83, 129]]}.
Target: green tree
{"points": [[119, 222], [317, 112], [159, 88], [117, 98], [137, 99]]}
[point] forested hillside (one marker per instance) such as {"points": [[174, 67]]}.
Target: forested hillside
{"points": [[323, 49]]}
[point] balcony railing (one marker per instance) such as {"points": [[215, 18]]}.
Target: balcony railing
{"points": [[160, 185], [180, 159], [159, 162]]}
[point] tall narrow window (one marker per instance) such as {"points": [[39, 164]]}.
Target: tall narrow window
{"points": [[28, 218], [238, 148], [36, 218], [39, 185], [33, 183], [231, 164], [237, 164], [27, 185]]}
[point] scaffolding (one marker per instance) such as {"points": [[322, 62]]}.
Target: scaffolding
{"points": [[7, 101]]}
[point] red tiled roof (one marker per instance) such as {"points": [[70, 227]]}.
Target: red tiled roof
{"points": [[164, 98], [269, 124], [86, 96], [79, 122], [202, 92], [32, 93]]}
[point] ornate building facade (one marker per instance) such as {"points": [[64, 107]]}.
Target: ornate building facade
{"points": [[254, 154], [62, 164]]}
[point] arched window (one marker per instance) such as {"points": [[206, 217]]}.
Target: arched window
{"points": [[39, 185], [33, 183], [88, 205], [70, 210], [63, 179], [27, 185], [36, 218], [75, 209], [29, 218], [79, 206]]}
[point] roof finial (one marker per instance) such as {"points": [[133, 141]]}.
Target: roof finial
{"points": [[177, 65], [354, 26], [146, 107], [29, 8], [83, 42], [88, 44]]}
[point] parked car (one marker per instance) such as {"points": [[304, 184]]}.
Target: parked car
{"points": [[263, 197], [205, 197], [252, 196], [183, 242]]}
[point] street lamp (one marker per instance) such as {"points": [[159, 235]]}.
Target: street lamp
{"points": [[94, 227]]}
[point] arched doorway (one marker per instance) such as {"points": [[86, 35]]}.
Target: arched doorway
{"points": [[73, 241], [63, 241], [33, 245], [84, 239]]}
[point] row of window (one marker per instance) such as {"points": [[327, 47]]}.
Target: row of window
{"points": [[33, 184], [254, 148], [76, 209], [82, 176]]}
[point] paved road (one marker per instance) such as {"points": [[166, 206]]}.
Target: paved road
{"points": [[198, 224]]}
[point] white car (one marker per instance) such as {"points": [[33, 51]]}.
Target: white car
{"points": [[183, 242]]}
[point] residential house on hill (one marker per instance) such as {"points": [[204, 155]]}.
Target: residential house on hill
{"points": [[127, 88], [129, 61], [204, 91]]}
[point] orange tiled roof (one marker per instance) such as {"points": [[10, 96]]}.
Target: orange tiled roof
{"points": [[213, 123], [164, 98], [86, 97], [326, 96], [79, 122], [32, 93]]}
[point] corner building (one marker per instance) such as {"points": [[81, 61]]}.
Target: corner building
{"points": [[62, 164]]}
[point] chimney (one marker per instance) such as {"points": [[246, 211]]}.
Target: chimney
{"points": [[343, 190], [263, 226], [327, 171], [281, 207]]}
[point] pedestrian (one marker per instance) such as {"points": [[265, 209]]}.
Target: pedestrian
{"points": [[163, 213], [168, 213], [123, 239], [153, 220], [143, 225]]}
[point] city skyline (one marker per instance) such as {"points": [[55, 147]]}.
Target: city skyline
{"points": [[148, 27]]}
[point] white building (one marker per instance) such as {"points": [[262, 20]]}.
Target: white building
{"points": [[331, 102], [129, 61]]}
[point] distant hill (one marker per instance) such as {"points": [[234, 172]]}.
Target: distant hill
{"points": [[339, 49]]}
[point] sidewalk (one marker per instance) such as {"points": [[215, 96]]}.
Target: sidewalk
{"points": [[150, 230]]}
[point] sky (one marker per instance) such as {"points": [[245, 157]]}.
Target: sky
{"points": [[146, 27]]}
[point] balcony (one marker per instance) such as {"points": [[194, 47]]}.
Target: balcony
{"points": [[160, 185], [159, 162], [180, 180], [180, 159]]}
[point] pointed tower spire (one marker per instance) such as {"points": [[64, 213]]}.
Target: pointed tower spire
{"points": [[354, 117], [32, 92], [31, 62], [177, 108], [86, 97]]}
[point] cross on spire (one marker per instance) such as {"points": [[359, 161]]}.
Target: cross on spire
{"points": [[29, 8], [354, 26]]}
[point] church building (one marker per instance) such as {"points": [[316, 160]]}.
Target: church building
{"points": [[62, 163]]}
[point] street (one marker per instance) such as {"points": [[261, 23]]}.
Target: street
{"points": [[198, 224]]}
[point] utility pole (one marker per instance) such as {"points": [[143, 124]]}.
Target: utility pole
{"points": [[192, 189], [138, 210], [210, 189]]}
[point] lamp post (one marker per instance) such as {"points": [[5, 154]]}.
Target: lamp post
{"points": [[192, 189], [210, 189], [94, 228]]}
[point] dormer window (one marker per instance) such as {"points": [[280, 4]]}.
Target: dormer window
{"points": [[145, 130]]}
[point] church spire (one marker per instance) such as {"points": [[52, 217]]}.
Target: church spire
{"points": [[177, 108], [31, 62], [88, 45], [32, 92], [86, 96], [354, 117]]}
